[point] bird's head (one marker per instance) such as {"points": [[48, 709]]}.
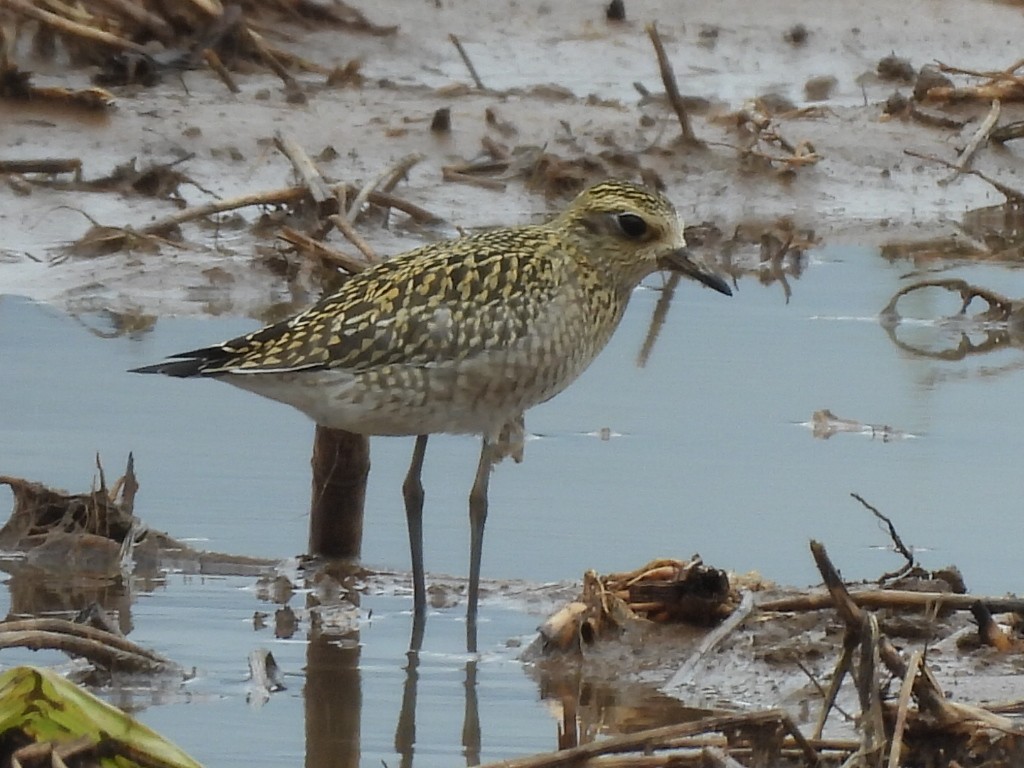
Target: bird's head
{"points": [[631, 231]]}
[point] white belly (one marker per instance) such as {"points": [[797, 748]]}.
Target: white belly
{"points": [[478, 396]]}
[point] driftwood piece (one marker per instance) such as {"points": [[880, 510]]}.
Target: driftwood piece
{"points": [[897, 599], [152, 22], [897, 542], [104, 649], [340, 465]]}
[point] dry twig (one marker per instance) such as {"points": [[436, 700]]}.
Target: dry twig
{"points": [[897, 542], [333, 256], [387, 179], [466, 60], [324, 197], [1011, 194], [345, 227], [267, 197], [671, 88], [976, 140]]}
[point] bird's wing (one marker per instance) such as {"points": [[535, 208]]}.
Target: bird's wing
{"points": [[442, 302]]}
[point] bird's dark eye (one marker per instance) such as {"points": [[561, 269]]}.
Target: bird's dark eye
{"points": [[632, 226]]}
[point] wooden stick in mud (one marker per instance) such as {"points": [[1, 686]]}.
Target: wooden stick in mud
{"points": [[324, 197], [270, 58], [897, 542], [843, 666], [979, 136], [671, 88], [689, 669], [925, 687], [465, 60], [213, 62], [345, 227], [663, 738], [45, 165], [267, 197], [68, 27], [388, 200], [387, 179], [151, 21], [331, 255], [450, 174], [902, 703], [894, 598], [1012, 195]]}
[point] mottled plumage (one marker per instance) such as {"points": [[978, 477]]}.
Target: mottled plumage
{"points": [[462, 336]]}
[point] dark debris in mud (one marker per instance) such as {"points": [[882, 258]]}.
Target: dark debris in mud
{"points": [[784, 655], [78, 550]]}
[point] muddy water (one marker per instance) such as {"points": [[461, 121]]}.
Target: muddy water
{"points": [[706, 449]]}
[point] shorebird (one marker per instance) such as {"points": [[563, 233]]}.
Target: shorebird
{"points": [[461, 336]]}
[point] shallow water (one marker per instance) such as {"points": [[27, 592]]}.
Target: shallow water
{"points": [[709, 453]]}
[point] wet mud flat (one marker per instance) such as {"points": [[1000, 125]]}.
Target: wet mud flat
{"points": [[862, 161], [182, 197]]}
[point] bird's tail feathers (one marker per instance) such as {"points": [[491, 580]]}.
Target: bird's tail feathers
{"points": [[208, 361]]}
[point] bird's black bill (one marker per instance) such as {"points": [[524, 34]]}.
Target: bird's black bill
{"points": [[683, 262]]}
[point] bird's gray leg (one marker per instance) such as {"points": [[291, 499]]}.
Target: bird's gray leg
{"points": [[412, 490], [477, 518]]}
